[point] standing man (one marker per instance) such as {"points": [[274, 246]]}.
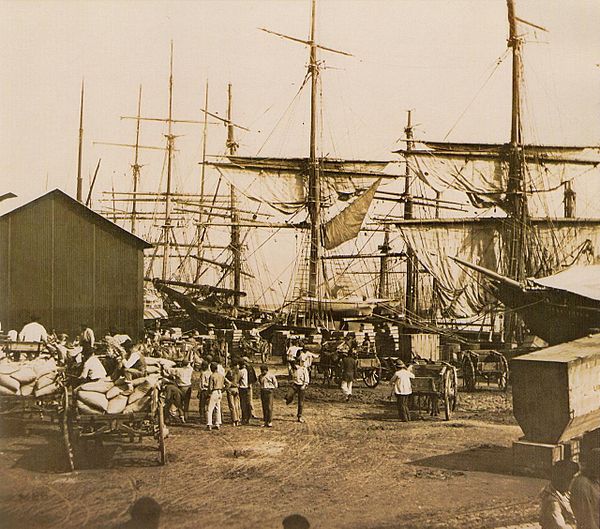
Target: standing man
{"points": [[290, 354], [33, 331], [268, 384], [585, 492], [298, 387], [87, 339], [244, 387], [216, 385], [367, 346], [252, 379], [348, 374], [203, 394], [402, 388]]}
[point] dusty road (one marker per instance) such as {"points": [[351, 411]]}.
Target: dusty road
{"points": [[349, 466]]}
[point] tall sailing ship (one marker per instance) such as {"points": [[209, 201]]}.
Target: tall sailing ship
{"points": [[517, 190], [352, 253]]}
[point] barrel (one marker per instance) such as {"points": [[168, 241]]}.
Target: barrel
{"points": [[556, 390]]}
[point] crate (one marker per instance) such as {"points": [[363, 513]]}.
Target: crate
{"points": [[535, 459]]}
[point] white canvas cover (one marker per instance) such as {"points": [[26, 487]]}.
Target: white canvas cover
{"points": [[582, 280]]}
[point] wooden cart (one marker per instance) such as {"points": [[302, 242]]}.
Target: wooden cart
{"points": [[484, 365], [32, 409], [435, 382], [28, 409], [16, 350], [370, 370], [78, 429]]}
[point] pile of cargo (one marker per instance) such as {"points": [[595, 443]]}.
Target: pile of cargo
{"points": [[36, 378], [120, 396], [106, 396]]}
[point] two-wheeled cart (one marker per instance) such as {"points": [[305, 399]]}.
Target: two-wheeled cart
{"points": [[484, 365], [78, 429], [434, 383]]}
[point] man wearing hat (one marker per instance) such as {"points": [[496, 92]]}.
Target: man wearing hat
{"points": [[402, 388]]}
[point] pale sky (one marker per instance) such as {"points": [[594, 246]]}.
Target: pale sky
{"points": [[432, 56]]}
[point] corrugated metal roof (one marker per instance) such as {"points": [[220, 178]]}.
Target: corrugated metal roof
{"points": [[85, 211], [565, 352]]}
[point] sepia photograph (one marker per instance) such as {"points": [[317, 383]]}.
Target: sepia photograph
{"points": [[292, 264]]}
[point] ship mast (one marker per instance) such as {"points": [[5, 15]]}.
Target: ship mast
{"points": [[516, 186], [411, 260], [235, 245], [136, 166], [170, 140], [80, 148], [382, 290], [199, 252], [314, 186]]}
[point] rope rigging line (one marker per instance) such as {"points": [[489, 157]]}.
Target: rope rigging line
{"points": [[292, 102], [496, 65]]}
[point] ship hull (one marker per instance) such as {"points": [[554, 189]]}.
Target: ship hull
{"points": [[555, 316]]}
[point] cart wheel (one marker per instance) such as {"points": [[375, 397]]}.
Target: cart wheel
{"points": [[503, 381], [454, 397], [161, 435], [503, 377], [469, 382], [447, 396], [66, 427], [371, 377]]}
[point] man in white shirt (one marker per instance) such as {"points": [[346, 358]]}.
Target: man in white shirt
{"points": [[203, 395], [244, 388], [93, 368], [134, 364], [299, 384], [402, 388], [291, 353], [33, 331], [268, 384], [178, 389]]}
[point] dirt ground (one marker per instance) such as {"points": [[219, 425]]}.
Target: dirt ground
{"points": [[350, 465]]}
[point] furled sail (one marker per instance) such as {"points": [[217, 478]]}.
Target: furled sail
{"points": [[347, 224], [282, 182], [481, 170]]}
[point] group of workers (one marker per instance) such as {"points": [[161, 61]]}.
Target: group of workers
{"points": [[344, 357], [572, 498], [237, 384]]}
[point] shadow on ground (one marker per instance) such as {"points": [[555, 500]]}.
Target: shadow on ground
{"points": [[484, 458]]}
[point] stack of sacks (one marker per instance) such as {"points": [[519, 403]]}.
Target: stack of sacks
{"points": [[34, 377], [153, 365], [106, 396]]}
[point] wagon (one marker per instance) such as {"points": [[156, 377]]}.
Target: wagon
{"points": [[435, 382], [30, 350], [370, 370], [484, 365], [78, 429], [29, 408]]}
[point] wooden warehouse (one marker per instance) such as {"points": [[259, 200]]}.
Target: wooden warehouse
{"points": [[68, 265]]}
